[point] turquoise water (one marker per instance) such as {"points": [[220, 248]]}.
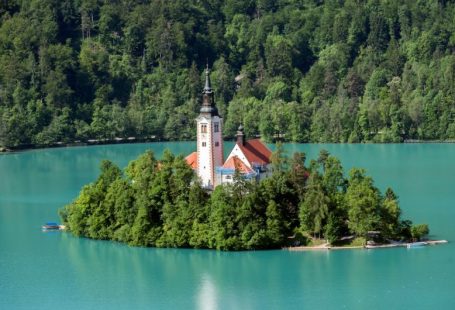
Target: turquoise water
{"points": [[42, 270]]}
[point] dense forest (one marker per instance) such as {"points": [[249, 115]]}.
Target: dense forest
{"points": [[302, 70], [161, 203]]}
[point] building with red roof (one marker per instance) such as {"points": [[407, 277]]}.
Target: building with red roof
{"points": [[192, 160], [251, 158]]}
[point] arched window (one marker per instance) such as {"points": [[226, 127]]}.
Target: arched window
{"points": [[216, 127], [204, 128]]}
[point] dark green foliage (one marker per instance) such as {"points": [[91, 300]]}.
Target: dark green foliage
{"points": [[161, 203], [320, 71], [334, 228]]}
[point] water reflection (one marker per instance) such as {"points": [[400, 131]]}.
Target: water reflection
{"points": [[207, 296]]}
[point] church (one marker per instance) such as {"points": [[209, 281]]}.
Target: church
{"points": [[250, 157]]}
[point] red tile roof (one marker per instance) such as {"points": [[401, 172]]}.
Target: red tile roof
{"points": [[191, 160], [256, 152], [236, 163]]}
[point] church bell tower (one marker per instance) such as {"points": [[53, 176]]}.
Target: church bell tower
{"points": [[209, 137]]}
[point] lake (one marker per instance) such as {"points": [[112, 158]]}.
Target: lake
{"points": [[42, 270]]}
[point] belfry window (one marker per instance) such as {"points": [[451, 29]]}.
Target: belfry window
{"points": [[204, 128], [216, 127]]}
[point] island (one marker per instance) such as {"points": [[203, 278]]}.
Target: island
{"points": [[161, 203]]}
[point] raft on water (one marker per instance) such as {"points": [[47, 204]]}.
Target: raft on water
{"points": [[50, 226]]}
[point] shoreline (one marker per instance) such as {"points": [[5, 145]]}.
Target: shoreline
{"points": [[134, 140], [326, 247], [92, 142]]}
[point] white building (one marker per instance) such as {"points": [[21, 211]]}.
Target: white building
{"points": [[250, 157]]}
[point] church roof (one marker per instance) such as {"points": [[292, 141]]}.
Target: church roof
{"points": [[236, 163], [191, 160], [256, 152]]}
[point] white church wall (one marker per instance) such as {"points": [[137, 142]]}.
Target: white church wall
{"points": [[204, 151], [236, 151], [209, 148]]}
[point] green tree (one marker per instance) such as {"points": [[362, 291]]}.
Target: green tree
{"points": [[278, 54], [419, 231], [315, 207], [363, 203]]}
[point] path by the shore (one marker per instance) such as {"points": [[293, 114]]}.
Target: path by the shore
{"points": [[326, 246]]}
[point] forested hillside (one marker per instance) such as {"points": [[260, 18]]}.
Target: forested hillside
{"points": [[304, 70]]}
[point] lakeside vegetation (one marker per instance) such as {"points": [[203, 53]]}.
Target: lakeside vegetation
{"points": [[307, 70], [161, 204]]}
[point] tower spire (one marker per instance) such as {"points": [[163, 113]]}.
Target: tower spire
{"points": [[208, 100], [207, 87]]}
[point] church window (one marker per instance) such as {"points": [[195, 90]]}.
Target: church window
{"points": [[217, 127], [217, 143], [204, 144], [204, 128]]}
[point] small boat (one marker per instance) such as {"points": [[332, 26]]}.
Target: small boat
{"points": [[52, 226], [416, 244]]}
